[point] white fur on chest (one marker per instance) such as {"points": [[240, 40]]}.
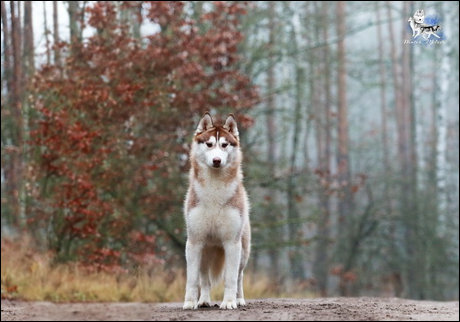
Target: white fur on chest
{"points": [[212, 220], [213, 193]]}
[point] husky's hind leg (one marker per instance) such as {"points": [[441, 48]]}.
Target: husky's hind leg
{"points": [[239, 293], [245, 250], [205, 283]]}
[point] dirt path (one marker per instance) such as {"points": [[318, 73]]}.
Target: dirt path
{"points": [[364, 308]]}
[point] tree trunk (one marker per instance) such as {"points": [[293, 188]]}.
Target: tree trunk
{"points": [[441, 116], [415, 266], [383, 114], [7, 50], [57, 52], [73, 21], [345, 204], [270, 120], [413, 157], [402, 137], [396, 87], [29, 61], [17, 61], [47, 32], [322, 118], [81, 19], [387, 173], [271, 144], [136, 23], [8, 167], [295, 256], [16, 97], [27, 74], [343, 165], [431, 209]]}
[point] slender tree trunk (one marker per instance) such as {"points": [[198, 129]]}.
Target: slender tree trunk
{"points": [[17, 61], [383, 113], [6, 50], [327, 110], [412, 162], [73, 21], [409, 111], [271, 134], [387, 173], [345, 204], [296, 256], [415, 265], [403, 126], [441, 116], [270, 120], [47, 32], [316, 86], [433, 134], [27, 74], [321, 263], [81, 19], [343, 164], [396, 86], [16, 96], [413, 157], [8, 166], [136, 23], [430, 211], [29, 56], [57, 52]]}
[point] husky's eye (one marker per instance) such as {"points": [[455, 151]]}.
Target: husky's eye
{"points": [[224, 145], [209, 144]]}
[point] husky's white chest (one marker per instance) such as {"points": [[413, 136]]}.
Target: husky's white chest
{"points": [[212, 220]]}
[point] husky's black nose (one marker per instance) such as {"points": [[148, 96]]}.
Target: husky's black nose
{"points": [[216, 162]]}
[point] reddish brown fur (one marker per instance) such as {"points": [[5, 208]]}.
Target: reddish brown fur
{"points": [[206, 135], [196, 170], [229, 174], [237, 200], [246, 238], [213, 259], [193, 199]]}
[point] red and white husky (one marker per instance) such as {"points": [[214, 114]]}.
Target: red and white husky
{"points": [[217, 215]]}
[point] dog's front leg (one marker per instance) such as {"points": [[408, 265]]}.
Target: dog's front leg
{"points": [[232, 263], [193, 256]]}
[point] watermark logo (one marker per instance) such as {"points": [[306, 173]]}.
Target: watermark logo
{"points": [[425, 30]]}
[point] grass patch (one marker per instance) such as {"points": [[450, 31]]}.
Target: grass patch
{"points": [[30, 275]]}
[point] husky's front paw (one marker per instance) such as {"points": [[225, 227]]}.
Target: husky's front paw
{"points": [[190, 305], [228, 304], [241, 302]]}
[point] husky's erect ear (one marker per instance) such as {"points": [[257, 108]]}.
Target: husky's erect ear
{"points": [[205, 123], [230, 125]]}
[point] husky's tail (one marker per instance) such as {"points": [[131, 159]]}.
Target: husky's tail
{"points": [[212, 262], [217, 265]]}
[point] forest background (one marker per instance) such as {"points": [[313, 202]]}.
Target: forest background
{"points": [[349, 129]]}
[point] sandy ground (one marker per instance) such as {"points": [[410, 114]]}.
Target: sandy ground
{"points": [[340, 309]]}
